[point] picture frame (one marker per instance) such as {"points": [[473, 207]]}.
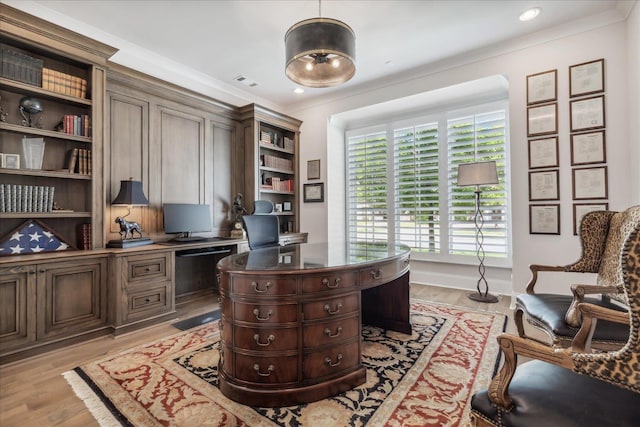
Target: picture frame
{"points": [[587, 113], [586, 78], [286, 207], [581, 209], [313, 169], [543, 153], [1, 160], [588, 148], [11, 161], [590, 183], [544, 185], [277, 207], [314, 193], [544, 219], [542, 87], [542, 119]]}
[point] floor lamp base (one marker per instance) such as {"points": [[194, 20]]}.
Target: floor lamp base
{"points": [[483, 298]]}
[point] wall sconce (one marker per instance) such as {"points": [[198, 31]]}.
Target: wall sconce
{"points": [[130, 195]]}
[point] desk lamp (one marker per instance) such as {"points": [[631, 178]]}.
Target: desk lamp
{"points": [[479, 173], [130, 194]]}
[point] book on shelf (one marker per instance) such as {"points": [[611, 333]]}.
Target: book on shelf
{"points": [[26, 198], [63, 83], [83, 236], [20, 67]]}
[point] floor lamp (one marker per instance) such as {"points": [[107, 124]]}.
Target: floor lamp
{"points": [[479, 173]]}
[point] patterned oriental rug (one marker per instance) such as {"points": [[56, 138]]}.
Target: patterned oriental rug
{"points": [[426, 379]]}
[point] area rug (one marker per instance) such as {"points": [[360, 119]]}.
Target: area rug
{"points": [[192, 322], [423, 379]]}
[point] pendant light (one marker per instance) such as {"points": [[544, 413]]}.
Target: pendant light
{"points": [[320, 52]]}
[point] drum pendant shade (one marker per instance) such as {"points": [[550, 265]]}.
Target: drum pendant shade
{"points": [[320, 52]]}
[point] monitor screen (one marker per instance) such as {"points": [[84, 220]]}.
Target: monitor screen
{"points": [[186, 218]]}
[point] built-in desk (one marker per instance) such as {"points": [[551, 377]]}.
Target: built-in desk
{"points": [[291, 317]]}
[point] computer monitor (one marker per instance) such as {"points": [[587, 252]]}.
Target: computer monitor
{"points": [[186, 218]]}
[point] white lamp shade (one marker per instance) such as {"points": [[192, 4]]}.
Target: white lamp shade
{"points": [[477, 173]]}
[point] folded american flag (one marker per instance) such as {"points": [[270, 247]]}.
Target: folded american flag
{"points": [[32, 237]]}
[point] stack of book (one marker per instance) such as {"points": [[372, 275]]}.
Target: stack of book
{"points": [[26, 198], [79, 161], [276, 162], [20, 67], [288, 144], [265, 138], [276, 184], [75, 125], [64, 83]]}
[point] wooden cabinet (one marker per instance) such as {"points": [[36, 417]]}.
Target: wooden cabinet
{"points": [[51, 301], [271, 162], [61, 74]]}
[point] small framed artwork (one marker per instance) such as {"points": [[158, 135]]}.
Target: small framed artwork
{"points": [[581, 209], [542, 87], [313, 169], [543, 153], [542, 119], [588, 148], [544, 185], [278, 207], [286, 207], [544, 219], [314, 192], [586, 78], [12, 161], [587, 114], [590, 183]]}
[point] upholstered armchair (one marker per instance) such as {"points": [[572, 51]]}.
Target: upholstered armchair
{"points": [[602, 235], [565, 387]]}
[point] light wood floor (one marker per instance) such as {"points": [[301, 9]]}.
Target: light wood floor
{"points": [[34, 393]]}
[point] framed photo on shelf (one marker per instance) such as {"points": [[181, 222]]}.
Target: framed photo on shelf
{"points": [[314, 192], [542, 87], [587, 114], [543, 153], [286, 207], [542, 119], [544, 185], [588, 148], [581, 209], [278, 207], [544, 219], [313, 169], [11, 161], [586, 78], [590, 183]]}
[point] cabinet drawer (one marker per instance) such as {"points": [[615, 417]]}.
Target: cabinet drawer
{"points": [[265, 313], [328, 282], [266, 369], [331, 360], [265, 339], [331, 307], [144, 268], [264, 286], [150, 301], [383, 272], [330, 332]]}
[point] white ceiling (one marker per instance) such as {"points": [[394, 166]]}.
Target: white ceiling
{"points": [[206, 44]]}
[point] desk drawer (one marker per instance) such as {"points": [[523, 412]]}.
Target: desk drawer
{"points": [[330, 332], [328, 282], [266, 339], [150, 301], [266, 369], [382, 273], [265, 313], [331, 360], [331, 307], [144, 268], [263, 286]]}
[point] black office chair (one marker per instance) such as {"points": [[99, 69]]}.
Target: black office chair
{"points": [[263, 228]]}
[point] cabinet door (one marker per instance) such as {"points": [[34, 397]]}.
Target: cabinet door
{"points": [[17, 306], [72, 297]]}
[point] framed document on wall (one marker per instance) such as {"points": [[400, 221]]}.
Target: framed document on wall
{"points": [[542, 119], [544, 185], [586, 78], [542, 87], [588, 148], [544, 219], [590, 183], [543, 153], [587, 114]]}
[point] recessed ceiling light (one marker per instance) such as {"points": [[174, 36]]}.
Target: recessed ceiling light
{"points": [[298, 90], [529, 14]]}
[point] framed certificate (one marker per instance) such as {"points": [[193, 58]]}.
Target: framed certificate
{"points": [[314, 192], [544, 219], [581, 209], [542, 87], [590, 183], [588, 148], [587, 114], [543, 153], [586, 78], [543, 185], [542, 119], [313, 169]]}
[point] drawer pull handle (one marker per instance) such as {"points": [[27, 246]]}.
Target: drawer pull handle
{"points": [[270, 369], [327, 332], [328, 309], [328, 284], [263, 290], [147, 300], [327, 360], [376, 274], [256, 312], [148, 269], [270, 339]]}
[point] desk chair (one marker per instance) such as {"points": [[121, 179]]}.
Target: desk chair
{"points": [[262, 227]]}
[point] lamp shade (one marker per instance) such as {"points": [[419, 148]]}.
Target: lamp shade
{"points": [[130, 194], [477, 173], [320, 52]]}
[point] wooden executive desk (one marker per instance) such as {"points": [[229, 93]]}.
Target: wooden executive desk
{"points": [[291, 317]]}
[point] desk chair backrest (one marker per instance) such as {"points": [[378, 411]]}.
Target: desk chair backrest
{"points": [[262, 227]]}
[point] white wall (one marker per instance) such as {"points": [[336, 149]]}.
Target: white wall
{"points": [[633, 54], [553, 50]]}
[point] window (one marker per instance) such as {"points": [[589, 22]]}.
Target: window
{"points": [[401, 184]]}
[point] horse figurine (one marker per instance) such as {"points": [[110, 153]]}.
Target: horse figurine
{"points": [[127, 228]]}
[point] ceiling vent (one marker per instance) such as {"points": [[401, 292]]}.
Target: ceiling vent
{"points": [[247, 82]]}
